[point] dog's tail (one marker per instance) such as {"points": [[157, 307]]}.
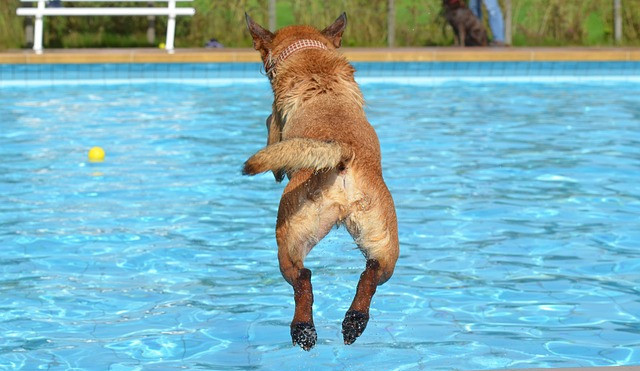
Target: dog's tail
{"points": [[297, 153]]}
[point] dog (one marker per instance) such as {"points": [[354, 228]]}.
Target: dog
{"points": [[468, 29], [319, 137]]}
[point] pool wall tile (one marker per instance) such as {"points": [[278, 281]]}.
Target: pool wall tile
{"points": [[53, 74]]}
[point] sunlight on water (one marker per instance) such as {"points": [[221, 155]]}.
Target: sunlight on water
{"points": [[518, 205]]}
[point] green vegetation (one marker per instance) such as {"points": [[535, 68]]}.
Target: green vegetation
{"points": [[573, 22], [418, 23], [11, 25]]}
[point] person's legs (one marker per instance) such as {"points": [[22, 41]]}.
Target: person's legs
{"points": [[476, 8], [496, 22]]}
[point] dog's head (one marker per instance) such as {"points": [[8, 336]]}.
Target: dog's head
{"points": [[453, 4], [272, 44]]}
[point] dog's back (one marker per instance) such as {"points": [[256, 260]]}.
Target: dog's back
{"points": [[316, 95]]}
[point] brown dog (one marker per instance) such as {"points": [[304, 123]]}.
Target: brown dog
{"points": [[468, 29], [319, 137]]}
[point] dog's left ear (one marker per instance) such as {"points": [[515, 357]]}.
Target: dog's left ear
{"points": [[261, 38], [334, 32]]}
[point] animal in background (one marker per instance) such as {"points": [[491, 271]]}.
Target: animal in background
{"points": [[468, 29]]}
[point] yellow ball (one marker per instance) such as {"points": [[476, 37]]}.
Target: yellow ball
{"points": [[96, 154], [161, 45]]}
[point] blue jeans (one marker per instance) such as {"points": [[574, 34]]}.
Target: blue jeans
{"points": [[496, 22]]}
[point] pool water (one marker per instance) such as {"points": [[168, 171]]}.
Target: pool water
{"points": [[519, 219]]}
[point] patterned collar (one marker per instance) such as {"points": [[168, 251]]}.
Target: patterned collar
{"points": [[271, 63]]}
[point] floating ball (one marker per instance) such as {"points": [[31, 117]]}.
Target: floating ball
{"points": [[161, 45], [96, 154]]}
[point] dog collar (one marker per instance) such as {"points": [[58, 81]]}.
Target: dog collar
{"points": [[271, 63]]}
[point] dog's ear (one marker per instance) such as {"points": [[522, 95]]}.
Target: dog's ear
{"points": [[261, 38], [334, 32]]}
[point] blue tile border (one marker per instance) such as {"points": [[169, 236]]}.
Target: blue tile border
{"points": [[212, 73], [437, 69]]}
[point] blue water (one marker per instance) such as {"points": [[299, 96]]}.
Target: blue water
{"points": [[519, 217]]}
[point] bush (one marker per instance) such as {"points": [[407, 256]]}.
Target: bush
{"points": [[418, 23]]}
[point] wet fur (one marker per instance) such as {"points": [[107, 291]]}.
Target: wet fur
{"points": [[319, 136]]}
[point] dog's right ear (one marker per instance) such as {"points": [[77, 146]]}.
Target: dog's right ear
{"points": [[261, 38]]}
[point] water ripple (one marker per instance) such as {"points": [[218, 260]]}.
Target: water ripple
{"points": [[518, 206]]}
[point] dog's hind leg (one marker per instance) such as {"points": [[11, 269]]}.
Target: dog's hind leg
{"points": [[303, 331], [375, 230], [303, 220], [357, 317], [291, 254], [291, 258]]}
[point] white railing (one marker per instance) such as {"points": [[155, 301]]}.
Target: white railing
{"points": [[41, 10]]}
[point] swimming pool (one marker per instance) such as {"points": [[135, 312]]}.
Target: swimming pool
{"points": [[518, 207]]}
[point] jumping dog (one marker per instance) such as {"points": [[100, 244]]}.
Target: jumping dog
{"points": [[319, 137]]}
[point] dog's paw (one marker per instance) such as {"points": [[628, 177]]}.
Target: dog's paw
{"points": [[304, 334], [353, 325]]}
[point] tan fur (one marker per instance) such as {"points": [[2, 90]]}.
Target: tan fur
{"points": [[295, 154], [319, 135]]}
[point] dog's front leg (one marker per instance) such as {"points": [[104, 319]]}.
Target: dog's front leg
{"points": [[462, 35], [274, 135]]}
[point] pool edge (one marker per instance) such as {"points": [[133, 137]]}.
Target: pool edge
{"points": [[448, 54]]}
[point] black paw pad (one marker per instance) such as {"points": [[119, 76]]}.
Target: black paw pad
{"points": [[353, 325], [304, 334]]}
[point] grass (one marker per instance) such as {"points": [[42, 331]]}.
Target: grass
{"points": [[418, 23]]}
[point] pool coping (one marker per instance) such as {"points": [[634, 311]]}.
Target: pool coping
{"points": [[426, 54]]}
